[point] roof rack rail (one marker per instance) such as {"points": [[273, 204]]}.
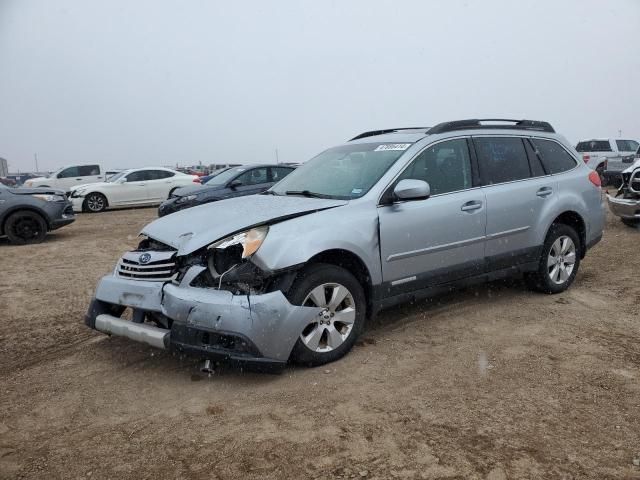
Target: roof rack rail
{"points": [[476, 123], [374, 133]]}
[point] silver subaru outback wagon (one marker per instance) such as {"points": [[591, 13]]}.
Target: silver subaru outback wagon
{"points": [[390, 216]]}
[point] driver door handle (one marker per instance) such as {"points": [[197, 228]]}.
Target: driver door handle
{"points": [[544, 192], [471, 206]]}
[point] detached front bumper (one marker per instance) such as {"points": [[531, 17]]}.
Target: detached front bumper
{"points": [[261, 328], [624, 207]]}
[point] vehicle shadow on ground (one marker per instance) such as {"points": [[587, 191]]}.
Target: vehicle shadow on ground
{"points": [[51, 238], [131, 355]]}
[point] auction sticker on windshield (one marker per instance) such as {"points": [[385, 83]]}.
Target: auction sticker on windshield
{"points": [[392, 146]]}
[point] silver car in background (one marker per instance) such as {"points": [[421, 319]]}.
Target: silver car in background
{"points": [[390, 216]]}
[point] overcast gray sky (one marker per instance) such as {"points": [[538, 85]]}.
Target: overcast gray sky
{"points": [[133, 83]]}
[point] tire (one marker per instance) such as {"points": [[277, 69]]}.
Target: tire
{"points": [[95, 203], [631, 222], [321, 343], [557, 277], [25, 227]]}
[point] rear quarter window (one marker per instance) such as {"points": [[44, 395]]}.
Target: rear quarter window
{"points": [[553, 156]]}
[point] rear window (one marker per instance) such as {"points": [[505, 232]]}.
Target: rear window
{"points": [[594, 146], [501, 159], [627, 145]]}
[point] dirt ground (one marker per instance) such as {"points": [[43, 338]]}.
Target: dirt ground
{"points": [[493, 382]]}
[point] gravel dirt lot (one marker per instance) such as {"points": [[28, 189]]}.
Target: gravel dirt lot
{"points": [[493, 382]]}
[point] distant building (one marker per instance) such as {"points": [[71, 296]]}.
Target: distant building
{"points": [[4, 167]]}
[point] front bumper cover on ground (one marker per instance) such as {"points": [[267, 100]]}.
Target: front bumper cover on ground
{"points": [[260, 328], [624, 207]]}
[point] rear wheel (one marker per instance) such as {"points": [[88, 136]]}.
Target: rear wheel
{"points": [[25, 227], [559, 261], [95, 202], [341, 299], [631, 222]]}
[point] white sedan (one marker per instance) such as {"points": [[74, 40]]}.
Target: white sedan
{"points": [[130, 188]]}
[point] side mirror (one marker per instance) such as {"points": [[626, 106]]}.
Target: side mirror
{"points": [[121, 180], [411, 189], [234, 184]]}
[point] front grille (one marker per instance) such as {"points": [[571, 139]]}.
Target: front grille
{"points": [[68, 211], [150, 266]]}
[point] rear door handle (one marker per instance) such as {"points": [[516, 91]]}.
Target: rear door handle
{"points": [[544, 192], [78, 179], [470, 206]]}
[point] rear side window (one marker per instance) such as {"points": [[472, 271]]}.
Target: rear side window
{"points": [[88, 170], [627, 145], [445, 166], [594, 146], [554, 158], [278, 173], [501, 159], [139, 176], [160, 174]]}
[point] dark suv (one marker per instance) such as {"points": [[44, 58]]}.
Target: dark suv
{"points": [[27, 214], [235, 182]]}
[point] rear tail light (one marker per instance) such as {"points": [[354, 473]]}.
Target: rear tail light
{"points": [[595, 178], [586, 158]]}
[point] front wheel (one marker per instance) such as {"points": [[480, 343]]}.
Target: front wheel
{"points": [[25, 227], [95, 202], [559, 261], [341, 299]]}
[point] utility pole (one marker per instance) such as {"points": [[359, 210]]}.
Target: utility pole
{"points": [[620, 133], [35, 156], [277, 159]]}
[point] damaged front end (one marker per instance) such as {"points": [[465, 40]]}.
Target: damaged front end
{"points": [[626, 202], [213, 302]]}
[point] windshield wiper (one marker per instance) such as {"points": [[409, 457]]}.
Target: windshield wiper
{"points": [[269, 192], [307, 193]]}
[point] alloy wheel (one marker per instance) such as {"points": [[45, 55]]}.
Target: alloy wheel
{"points": [[95, 203], [561, 260], [334, 323]]}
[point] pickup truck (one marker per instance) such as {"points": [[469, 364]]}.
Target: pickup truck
{"points": [[66, 177], [608, 156]]}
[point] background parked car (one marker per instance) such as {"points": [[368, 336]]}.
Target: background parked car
{"points": [[234, 182], [27, 214], [69, 176], [608, 156], [134, 187]]}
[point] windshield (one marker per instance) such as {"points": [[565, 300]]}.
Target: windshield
{"points": [[224, 177], [344, 172], [117, 176]]}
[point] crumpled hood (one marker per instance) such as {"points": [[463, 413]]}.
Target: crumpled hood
{"points": [[194, 228], [36, 190]]}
